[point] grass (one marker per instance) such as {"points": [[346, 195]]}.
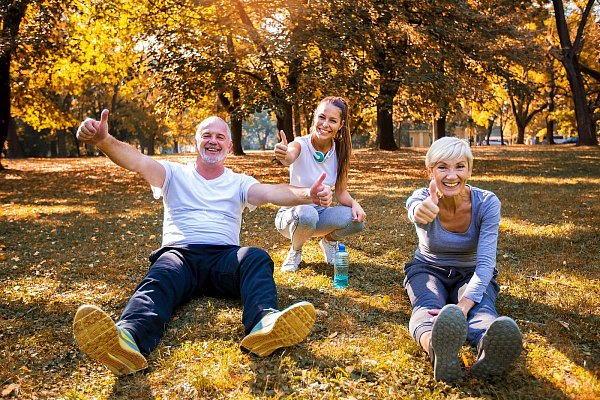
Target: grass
{"points": [[76, 231]]}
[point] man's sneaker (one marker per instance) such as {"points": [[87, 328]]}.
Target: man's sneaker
{"points": [[328, 248], [499, 347], [280, 329], [99, 337], [447, 337], [292, 261]]}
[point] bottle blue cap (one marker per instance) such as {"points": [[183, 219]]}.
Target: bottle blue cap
{"points": [[341, 247]]}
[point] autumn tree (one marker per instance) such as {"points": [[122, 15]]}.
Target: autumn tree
{"points": [[12, 36], [569, 55], [89, 64]]}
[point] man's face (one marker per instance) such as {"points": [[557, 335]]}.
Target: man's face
{"points": [[213, 142]]}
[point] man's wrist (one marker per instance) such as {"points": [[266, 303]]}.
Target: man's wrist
{"points": [[103, 142]]}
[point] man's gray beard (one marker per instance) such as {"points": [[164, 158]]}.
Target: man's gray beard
{"points": [[210, 159]]}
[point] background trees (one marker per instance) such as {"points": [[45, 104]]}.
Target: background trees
{"points": [[157, 64]]}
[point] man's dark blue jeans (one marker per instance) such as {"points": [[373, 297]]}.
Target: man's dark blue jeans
{"points": [[178, 274]]}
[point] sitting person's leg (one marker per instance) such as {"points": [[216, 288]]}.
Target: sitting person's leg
{"points": [[170, 282], [427, 289], [248, 273], [122, 346], [297, 224], [335, 223], [497, 339]]}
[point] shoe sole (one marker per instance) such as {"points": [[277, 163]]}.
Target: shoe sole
{"points": [[98, 337], [292, 327], [501, 345], [447, 338]]}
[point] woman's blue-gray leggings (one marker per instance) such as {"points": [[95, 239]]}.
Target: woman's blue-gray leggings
{"points": [[430, 287], [300, 223]]}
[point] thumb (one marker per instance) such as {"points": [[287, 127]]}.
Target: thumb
{"points": [[104, 117], [433, 192], [319, 181], [283, 137]]}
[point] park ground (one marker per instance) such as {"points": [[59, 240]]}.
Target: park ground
{"points": [[76, 231]]}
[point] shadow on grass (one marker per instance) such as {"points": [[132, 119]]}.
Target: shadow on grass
{"points": [[560, 328], [132, 387]]}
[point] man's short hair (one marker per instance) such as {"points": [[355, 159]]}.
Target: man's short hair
{"points": [[209, 120]]}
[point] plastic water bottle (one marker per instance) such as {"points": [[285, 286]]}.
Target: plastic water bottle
{"points": [[341, 265]]}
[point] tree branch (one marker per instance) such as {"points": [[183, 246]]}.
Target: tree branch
{"points": [[577, 45], [590, 72]]}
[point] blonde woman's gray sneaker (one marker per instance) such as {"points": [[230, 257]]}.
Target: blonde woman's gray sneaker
{"points": [[447, 337], [499, 347]]}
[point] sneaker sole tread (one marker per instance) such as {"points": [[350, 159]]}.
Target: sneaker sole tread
{"points": [[98, 337], [448, 336], [502, 344]]}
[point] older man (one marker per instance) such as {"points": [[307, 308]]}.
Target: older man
{"points": [[200, 253]]}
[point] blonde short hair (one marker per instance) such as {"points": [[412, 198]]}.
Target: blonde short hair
{"points": [[448, 148]]}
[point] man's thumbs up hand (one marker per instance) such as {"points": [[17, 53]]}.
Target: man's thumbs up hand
{"points": [[92, 131], [320, 193]]}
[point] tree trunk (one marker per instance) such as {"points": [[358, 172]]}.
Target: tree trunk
{"points": [[489, 131], [263, 139], [15, 147], [440, 126], [570, 60], [293, 79], [284, 120], [236, 134], [551, 105], [582, 112], [151, 140], [232, 108], [520, 134], [53, 148], [297, 125], [385, 108], [61, 138], [4, 100], [10, 23]]}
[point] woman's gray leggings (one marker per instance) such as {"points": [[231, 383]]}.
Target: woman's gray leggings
{"points": [[300, 223], [431, 287]]}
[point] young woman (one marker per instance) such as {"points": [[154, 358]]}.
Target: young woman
{"points": [[326, 149], [451, 281]]}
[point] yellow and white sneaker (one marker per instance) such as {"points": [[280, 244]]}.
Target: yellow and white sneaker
{"points": [[280, 329], [100, 338]]}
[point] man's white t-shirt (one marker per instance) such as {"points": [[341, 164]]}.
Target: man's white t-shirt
{"points": [[201, 211]]}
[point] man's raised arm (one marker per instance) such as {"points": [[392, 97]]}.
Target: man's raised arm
{"points": [[287, 195], [96, 133]]}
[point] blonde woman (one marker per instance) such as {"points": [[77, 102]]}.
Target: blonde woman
{"points": [[451, 281]]}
